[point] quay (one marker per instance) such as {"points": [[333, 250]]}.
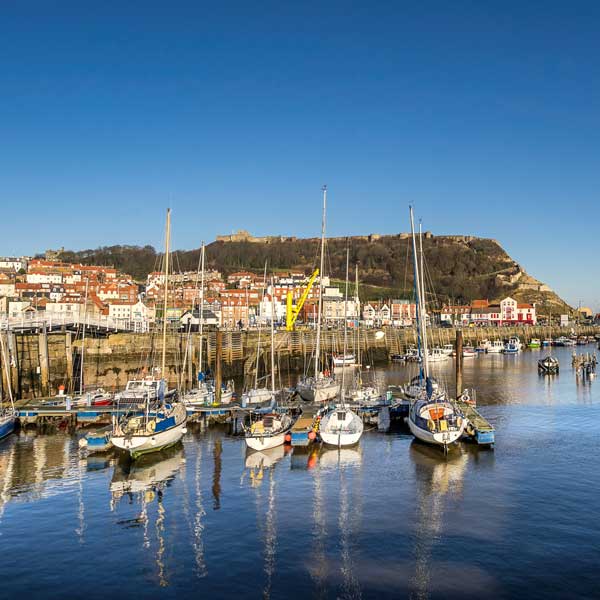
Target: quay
{"points": [[41, 362]]}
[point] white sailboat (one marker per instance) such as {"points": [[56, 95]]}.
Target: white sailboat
{"points": [[161, 425], [8, 414], [271, 429], [256, 394], [204, 393], [320, 387], [341, 426], [432, 417]]}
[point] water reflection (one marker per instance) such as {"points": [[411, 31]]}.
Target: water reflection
{"points": [[439, 479], [144, 481]]}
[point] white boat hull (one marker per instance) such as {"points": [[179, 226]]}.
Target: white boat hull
{"points": [[318, 393], [265, 443], [441, 438], [337, 432]]}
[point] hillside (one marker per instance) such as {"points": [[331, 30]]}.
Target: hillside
{"points": [[459, 268]]}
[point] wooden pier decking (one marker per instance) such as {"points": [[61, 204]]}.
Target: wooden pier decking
{"points": [[478, 427]]}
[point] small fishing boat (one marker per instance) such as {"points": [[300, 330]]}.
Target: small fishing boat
{"points": [[268, 432], [437, 355], [483, 346], [448, 349], [469, 352], [496, 347], [138, 391], [534, 343], [548, 365], [513, 346], [97, 441], [547, 342]]}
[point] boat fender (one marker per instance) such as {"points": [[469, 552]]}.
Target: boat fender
{"points": [[312, 435], [151, 426]]}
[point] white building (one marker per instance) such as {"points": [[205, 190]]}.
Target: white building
{"points": [[10, 263], [44, 277]]}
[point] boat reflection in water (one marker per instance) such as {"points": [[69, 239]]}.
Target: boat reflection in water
{"points": [[334, 462], [439, 479], [144, 481], [261, 468]]}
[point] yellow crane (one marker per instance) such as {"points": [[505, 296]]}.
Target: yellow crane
{"points": [[292, 311]]}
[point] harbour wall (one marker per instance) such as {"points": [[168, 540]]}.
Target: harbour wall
{"points": [[38, 364]]}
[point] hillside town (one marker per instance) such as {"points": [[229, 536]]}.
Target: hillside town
{"points": [[35, 287]]}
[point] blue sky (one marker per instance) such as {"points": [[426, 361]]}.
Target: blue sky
{"points": [[484, 115]]}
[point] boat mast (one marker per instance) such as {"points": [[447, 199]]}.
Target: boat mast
{"points": [[164, 331], [4, 357], [423, 304], [262, 293], [272, 338], [357, 304], [345, 327], [87, 281], [319, 316], [201, 310], [420, 311]]}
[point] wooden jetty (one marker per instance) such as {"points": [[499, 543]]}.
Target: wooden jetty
{"points": [[478, 427]]}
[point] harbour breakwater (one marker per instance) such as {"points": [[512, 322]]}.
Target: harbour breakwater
{"points": [[39, 364]]}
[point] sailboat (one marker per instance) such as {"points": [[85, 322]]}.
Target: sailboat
{"points": [[321, 387], [341, 426], [256, 394], [271, 429], [204, 393], [8, 414], [432, 417], [162, 424]]}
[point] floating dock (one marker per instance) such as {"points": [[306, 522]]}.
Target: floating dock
{"points": [[478, 428]]}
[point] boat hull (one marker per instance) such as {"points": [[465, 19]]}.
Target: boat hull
{"points": [[319, 393], [137, 445], [265, 442], [7, 426], [335, 431], [340, 439], [441, 438]]}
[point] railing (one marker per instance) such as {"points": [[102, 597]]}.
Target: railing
{"points": [[51, 321]]}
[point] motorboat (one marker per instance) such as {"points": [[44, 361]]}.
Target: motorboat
{"points": [[468, 352], [483, 346], [535, 343], [496, 347], [437, 355], [448, 349], [548, 365]]}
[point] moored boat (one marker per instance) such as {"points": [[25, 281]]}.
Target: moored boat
{"points": [[268, 432]]}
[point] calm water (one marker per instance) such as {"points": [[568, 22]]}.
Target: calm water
{"points": [[391, 518]]}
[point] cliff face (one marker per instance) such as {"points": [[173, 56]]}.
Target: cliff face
{"points": [[458, 268]]}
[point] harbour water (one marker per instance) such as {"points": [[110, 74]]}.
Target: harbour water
{"points": [[390, 518]]}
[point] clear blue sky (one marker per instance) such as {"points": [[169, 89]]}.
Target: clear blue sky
{"points": [[484, 115]]}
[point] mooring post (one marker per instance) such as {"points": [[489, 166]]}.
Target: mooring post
{"points": [[43, 357], [218, 377], [459, 362]]}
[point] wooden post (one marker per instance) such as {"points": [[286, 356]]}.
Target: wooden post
{"points": [[69, 356], [459, 362], [218, 376], [43, 358]]}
